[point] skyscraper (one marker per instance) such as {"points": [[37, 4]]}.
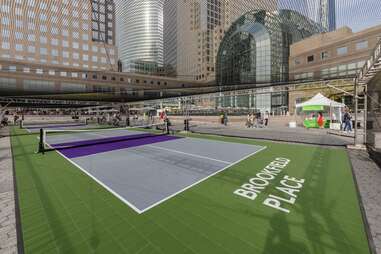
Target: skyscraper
{"points": [[322, 12], [327, 14], [139, 34], [194, 29], [65, 33]]}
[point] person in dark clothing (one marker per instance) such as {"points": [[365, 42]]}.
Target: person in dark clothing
{"points": [[347, 121]]}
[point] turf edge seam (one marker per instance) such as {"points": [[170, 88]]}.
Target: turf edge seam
{"points": [[371, 245], [20, 240]]}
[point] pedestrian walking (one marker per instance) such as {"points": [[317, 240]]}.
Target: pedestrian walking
{"points": [[222, 117], [248, 120], [225, 119], [252, 120], [320, 120], [266, 116], [347, 121]]}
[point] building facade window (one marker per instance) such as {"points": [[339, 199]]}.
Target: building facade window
{"points": [[19, 47], [4, 21], [5, 45], [361, 45], [43, 40], [342, 51], [31, 26], [5, 8], [5, 33], [55, 31], [324, 55], [19, 24], [310, 58], [19, 35], [43, 17], [19, 11], [54, 42], [43, 51], [103, 13], [43, 28], [31, 49]]}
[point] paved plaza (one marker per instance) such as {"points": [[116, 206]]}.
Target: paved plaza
{"points": [[368, 176], [8, 236]]}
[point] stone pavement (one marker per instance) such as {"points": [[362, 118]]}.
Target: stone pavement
{"points": [[8, 236], [368, 176]]}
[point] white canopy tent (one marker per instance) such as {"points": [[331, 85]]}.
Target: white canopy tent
{"points": [[320, 100], [320, 103]]}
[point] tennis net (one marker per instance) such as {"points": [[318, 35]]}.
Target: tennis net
{"points": [[50, 124], [60, 139]]}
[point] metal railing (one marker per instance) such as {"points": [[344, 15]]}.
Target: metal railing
{"points": [[371, 67]]}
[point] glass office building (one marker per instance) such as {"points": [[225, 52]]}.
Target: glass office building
{"points": [[103, 21], [256, 49], [322, 12], [139, 30], [327, 14]]}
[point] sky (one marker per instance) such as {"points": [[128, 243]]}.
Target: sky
{"points": [[357, 14]]}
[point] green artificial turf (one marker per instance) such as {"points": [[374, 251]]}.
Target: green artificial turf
{"points": [[64, 211]]}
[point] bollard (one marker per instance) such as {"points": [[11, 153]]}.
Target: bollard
{"points": [[41, 148]]}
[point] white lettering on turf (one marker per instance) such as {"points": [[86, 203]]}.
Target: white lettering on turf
{"points": [[288, 190]]}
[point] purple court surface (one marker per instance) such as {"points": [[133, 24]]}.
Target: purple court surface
{"points": [[144, 170], [88, 147]]}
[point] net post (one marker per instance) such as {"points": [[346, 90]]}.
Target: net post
{"points": [[186, 124], [41, 148], [166, 126], [128, 121], [21, 124]]}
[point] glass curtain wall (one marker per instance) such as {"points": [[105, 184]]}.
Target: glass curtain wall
{"points": [[256, 49]]}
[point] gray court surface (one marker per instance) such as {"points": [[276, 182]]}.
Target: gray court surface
{"points": [[145, 176]]}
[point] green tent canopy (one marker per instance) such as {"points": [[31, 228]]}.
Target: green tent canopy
{"points": [[313, 108]]}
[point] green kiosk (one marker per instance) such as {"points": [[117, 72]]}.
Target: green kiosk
{"points": [[331, 110]]}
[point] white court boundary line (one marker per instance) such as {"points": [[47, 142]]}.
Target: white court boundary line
{"points": [[102, 184], [201, 180], [166, 198], [189, 154]]}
